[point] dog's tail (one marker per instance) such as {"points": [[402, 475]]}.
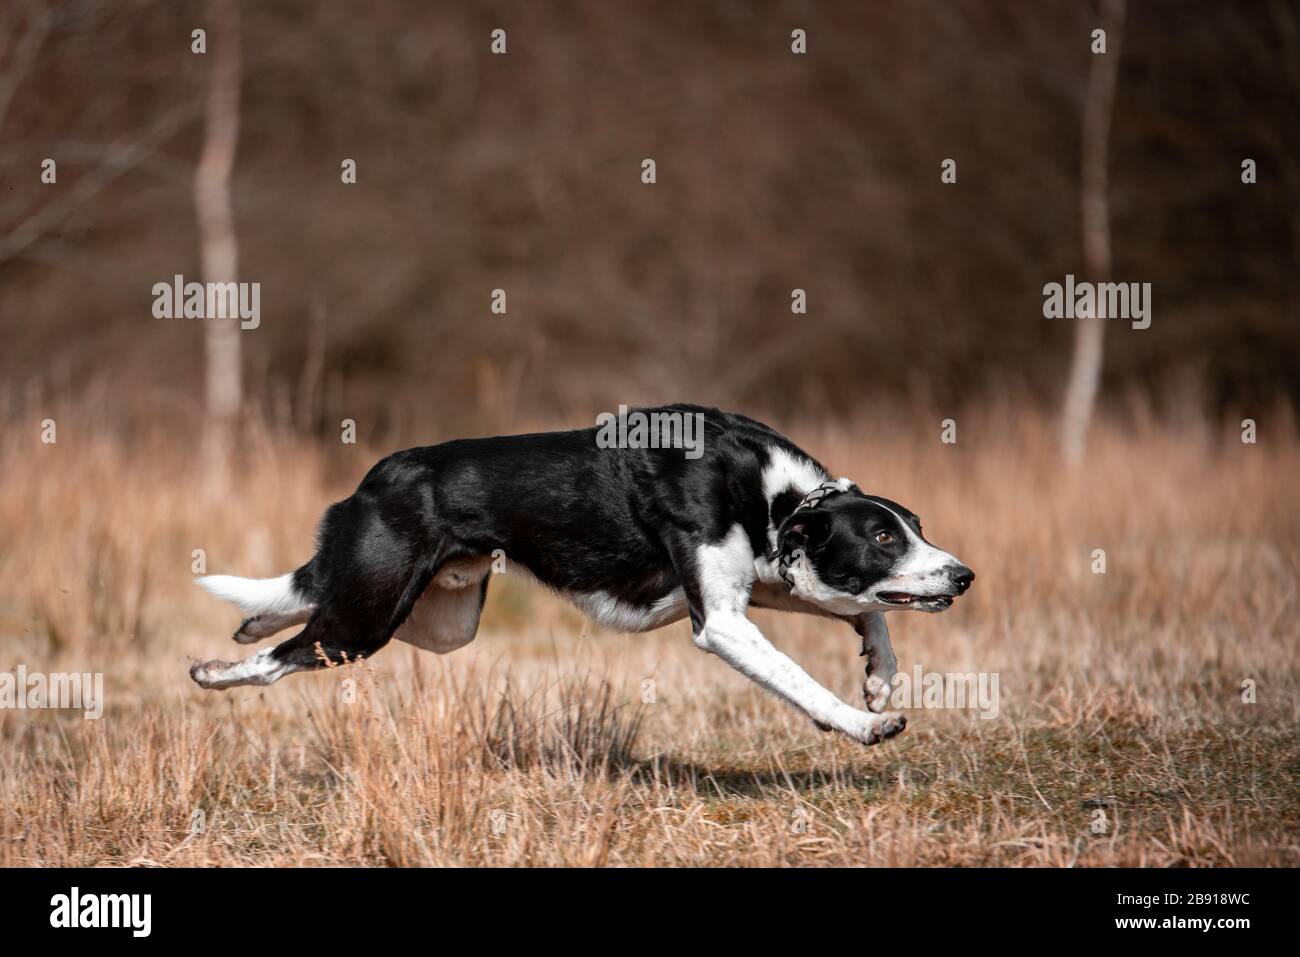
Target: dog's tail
{"points": [[258, 596]]}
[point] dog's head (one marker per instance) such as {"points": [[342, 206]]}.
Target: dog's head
{"points": [[847, 552]]}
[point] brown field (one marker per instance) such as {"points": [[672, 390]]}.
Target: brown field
{"points": [[1122, 737]]}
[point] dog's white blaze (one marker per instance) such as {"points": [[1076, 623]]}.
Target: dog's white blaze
{"points": [[920, 565], [256, 596]]}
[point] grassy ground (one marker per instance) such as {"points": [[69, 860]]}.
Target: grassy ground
{"points": [[1121, 734]]}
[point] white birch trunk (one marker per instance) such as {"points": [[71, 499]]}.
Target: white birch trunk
{"points": [[1090, 333], [218, 251]]}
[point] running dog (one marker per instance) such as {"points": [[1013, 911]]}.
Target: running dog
{"points": [[636, 537]]}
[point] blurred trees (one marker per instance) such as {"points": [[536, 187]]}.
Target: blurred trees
{"points": [[776, 171]]}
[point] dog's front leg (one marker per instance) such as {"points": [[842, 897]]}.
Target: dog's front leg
{"points": [[717, 580], [881, 663]]}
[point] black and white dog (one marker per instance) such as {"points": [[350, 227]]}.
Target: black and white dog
{"points": [[635, 537]]}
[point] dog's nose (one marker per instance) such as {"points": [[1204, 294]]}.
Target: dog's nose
{"points": [[961, 577]]}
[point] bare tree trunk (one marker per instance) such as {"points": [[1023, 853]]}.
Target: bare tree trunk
{"points": [[218, 251], [1090, 332]]}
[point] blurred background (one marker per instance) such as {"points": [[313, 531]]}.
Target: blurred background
{"points": [[522, 172], [1137, 547]]}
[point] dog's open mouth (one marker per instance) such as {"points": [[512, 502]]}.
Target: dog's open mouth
{"points": [[904, 598]]}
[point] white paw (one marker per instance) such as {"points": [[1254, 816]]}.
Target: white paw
{"points": [[877, 690], [877, 727], [210, 674]]}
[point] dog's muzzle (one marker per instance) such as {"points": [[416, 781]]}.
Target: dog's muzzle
{"points": [[959, 578]]}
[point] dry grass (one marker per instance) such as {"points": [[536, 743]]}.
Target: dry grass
{"points": [[1120, 693]]}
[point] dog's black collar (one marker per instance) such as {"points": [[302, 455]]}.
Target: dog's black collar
{"points": [[814, 498]]}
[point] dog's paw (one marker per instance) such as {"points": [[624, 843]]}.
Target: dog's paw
{"points": [[877, 690], [882, 727], [247, 633], [209, 674]]}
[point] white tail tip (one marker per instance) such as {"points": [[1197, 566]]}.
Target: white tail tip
{"points": [[255, 596]]}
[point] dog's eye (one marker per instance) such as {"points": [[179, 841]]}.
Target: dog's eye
{"points": [[884, 538]]}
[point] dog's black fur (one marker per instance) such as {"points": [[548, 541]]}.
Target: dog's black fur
{"points": [[579, 518]]}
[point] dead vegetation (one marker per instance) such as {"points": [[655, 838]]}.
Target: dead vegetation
{"points": [[1122, 736]]}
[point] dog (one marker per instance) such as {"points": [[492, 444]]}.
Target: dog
{"points": [[636, 537]]}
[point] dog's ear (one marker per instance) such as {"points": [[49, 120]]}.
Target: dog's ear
{"points": [[808, 529]]}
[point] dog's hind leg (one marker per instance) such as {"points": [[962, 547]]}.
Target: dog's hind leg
{"points": [[257, 670], [326, 637], [264, 626], [357, 617], [340, 638]]}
